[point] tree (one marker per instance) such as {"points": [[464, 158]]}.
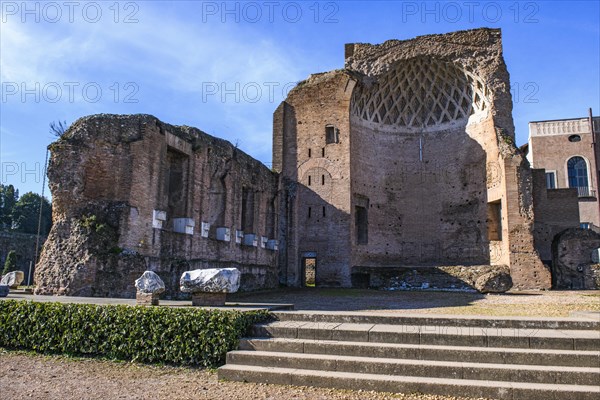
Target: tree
{"points": [[10, 264], [8, 198], [58, 128], [26, 212]]}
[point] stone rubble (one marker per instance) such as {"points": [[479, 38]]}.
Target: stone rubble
{"points": [[150, 283], [494, 282], [13, 279], [213, 280]]}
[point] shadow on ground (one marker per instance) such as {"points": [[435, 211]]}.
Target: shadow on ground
{"points": [[358, 299]]}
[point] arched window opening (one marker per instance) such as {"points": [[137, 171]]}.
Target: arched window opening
{"points": [[578, 177]]}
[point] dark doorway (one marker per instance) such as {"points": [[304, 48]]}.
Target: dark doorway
{"points": [[309, 271]]}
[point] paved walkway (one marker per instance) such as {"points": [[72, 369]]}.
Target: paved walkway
{"points": [[237, 305], [532, 304]]}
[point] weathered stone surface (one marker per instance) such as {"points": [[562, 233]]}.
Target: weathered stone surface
{"points": [[572, 265], [594, 272], [214, 280], [13, 279], [555, 211], [494, 282], [150, 283], [4, 289]]}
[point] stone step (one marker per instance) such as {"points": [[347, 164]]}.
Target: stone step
{"points": [[374, 317], [569, 358], [433, 335], [424, 368], [408, 384]]}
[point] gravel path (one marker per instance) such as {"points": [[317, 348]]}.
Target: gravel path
{"points": [[31, 376], [531, 304]]}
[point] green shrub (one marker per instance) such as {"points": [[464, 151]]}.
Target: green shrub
{"points": [[10, 264], [180, 336]]}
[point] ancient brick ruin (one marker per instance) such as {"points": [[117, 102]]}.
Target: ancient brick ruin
{"points": [[131, 193], [399, 169], [406, 158], [571, 255]]}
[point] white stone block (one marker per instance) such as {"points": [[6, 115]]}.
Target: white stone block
{"points": [[150, 283], [213, 280]]}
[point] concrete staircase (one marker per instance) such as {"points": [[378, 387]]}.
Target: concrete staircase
{"points": [[499, 358]]}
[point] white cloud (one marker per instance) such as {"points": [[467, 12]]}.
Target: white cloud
{"points": [[160, 53], [170, 58]]}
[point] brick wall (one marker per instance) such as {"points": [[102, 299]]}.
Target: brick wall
{"points": [[123, 170], [555, 211]]}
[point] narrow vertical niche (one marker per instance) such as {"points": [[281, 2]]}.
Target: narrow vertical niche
{"points": [[176, 185], [247, 210], [362, 225], [271, 218], [494, 220]]}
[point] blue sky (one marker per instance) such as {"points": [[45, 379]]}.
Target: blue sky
{"points": [[224, 67]]}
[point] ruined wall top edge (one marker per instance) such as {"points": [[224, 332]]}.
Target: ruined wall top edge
{"points": [[477, 52], [127, 128], [473, 49]]}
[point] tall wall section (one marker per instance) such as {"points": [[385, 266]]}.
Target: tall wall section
{"points": [[432, 142], [420, 136], [419, 168], [131, 193], [313, 128]]}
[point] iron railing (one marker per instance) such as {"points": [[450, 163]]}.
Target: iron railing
{"points": [[584, 191]]}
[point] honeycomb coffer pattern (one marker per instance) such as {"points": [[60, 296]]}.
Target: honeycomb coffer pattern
{"points": [[421, 93]]}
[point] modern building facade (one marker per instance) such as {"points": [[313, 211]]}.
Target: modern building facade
{"points": [[568, 151]]}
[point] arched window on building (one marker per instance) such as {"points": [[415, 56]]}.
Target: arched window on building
{"points": [[578, 176]]}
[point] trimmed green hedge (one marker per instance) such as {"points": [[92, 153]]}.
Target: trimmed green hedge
{"points": [[181, 336]]}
